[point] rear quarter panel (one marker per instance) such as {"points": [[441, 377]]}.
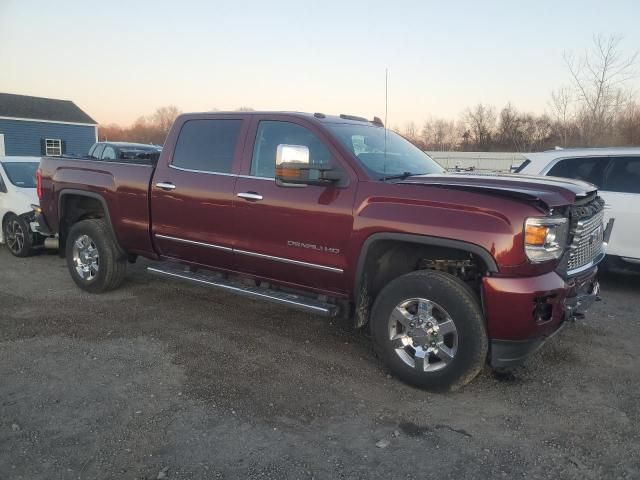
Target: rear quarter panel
{"points": [[124, 188]]}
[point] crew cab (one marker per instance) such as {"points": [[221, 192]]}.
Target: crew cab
{"points": [[336, 215]]}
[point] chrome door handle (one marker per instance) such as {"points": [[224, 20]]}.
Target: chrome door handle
{"points": [[166, 185], [250, 196]]}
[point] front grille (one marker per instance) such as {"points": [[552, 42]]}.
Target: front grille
{"points": [[587, 241]]}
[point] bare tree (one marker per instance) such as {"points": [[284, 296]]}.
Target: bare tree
{"points": [[509, 128], [600, 76], [164, 117], [628, 125], [562, 112], [481, 121]]}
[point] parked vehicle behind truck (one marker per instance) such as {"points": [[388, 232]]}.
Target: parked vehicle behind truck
{"points": [[17, 194], [616, 173], [338, 216]]}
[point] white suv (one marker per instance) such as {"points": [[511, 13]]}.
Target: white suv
{"points": [[616, 173], [17, 194]]}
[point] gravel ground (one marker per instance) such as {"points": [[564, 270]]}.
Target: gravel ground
{"points": [[165, 380]]}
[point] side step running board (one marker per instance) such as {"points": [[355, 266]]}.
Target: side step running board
{"points": [[212, 280]]}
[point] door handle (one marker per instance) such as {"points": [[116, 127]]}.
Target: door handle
{"points": [[166, 185], [253, 196]]}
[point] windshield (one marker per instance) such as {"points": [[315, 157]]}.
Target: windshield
{"points": [[367, 143], [21, 174]]}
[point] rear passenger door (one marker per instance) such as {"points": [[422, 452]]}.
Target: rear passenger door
{"points": [[192, 195], [621, 191]]}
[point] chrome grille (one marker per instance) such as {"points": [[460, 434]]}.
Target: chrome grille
{"points": [[587, 241]]}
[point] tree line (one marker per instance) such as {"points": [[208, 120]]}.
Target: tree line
{"points": [[596, 107]]}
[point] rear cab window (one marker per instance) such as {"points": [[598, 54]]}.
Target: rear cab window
{"points": [[109, 153], [207, 145], [97, 151]]}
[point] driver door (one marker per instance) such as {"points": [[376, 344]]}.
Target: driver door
{"points": [[298, 235]]}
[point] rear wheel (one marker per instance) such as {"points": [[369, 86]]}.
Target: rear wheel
{"points": [[17, 235], [94, 259], [429, 329]]}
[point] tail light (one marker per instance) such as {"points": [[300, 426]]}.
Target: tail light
{"points": [[39, 183]]}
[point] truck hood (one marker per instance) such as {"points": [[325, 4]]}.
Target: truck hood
{"points": [[551, 191]]}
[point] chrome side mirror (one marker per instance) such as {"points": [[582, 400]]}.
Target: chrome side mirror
{"points": [[292, 164], [294, 169]]}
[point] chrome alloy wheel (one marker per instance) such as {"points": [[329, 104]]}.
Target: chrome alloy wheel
{"points": [[86, 258], [15, 236], [423, 334]]}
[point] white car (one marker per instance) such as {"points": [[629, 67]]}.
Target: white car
{"points": [[616, 173], [17, 194]]}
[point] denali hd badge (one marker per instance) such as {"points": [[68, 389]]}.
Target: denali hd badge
{"points": [[311, 246]]}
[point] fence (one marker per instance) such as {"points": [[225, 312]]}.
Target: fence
{"points": [[483, 161]]}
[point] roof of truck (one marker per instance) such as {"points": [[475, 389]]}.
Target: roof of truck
{"points": [[317, 116]]}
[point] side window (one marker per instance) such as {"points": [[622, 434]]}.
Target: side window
{"points": [[93, 147], [109, 153], [589, 169], [624, 175], [207, 145], [97, 152], [273, 133]]}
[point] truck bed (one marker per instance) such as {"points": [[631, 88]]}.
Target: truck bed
{"points": [[123, 186]]}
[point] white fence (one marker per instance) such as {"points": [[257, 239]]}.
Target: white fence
{"points": [[484, 161]]}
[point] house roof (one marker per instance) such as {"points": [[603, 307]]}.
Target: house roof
{"points": [[38, 108]]}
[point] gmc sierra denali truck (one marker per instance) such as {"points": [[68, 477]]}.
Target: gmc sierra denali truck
{"points": [[336, 215]]}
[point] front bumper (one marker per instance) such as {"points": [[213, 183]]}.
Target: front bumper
{"points": [[522, 313]]}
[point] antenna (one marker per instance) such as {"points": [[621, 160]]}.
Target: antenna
{"points": [[386, 112]]}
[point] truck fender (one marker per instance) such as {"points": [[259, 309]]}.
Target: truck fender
{"points": [[84, 193], [362, 298]]}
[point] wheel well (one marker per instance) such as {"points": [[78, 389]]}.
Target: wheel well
{"points": [[74, 208], [388, 259], [4, 219]]}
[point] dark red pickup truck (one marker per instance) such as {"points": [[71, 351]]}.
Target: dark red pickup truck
{"points": [[339, 216]]}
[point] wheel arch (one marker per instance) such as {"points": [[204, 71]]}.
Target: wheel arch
{"points": [[401, 249], [74, 203]]}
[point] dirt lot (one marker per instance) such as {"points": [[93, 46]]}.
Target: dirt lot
{"points": [[164, 380]]}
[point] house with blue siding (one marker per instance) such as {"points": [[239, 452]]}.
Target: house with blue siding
{"points": [[35, 126]]}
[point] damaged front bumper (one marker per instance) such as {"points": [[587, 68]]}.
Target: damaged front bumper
{"points": [[523, 313]]}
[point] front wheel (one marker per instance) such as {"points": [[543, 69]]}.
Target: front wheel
{"points": [[17, 235], [94, 259], [428, 328]]}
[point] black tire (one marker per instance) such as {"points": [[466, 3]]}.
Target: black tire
{"points": [[17, 235], [111, 260], [462, 307]]}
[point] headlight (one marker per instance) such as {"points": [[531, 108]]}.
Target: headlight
{"points": [[545, 238]]}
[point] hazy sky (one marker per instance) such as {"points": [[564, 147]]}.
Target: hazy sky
{"points": [[122, 59]]}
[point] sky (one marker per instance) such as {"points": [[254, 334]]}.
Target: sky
{"points": [[119, 60]]}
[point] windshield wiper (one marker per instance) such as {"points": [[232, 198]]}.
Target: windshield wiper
{"points": [[400, 176]]}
